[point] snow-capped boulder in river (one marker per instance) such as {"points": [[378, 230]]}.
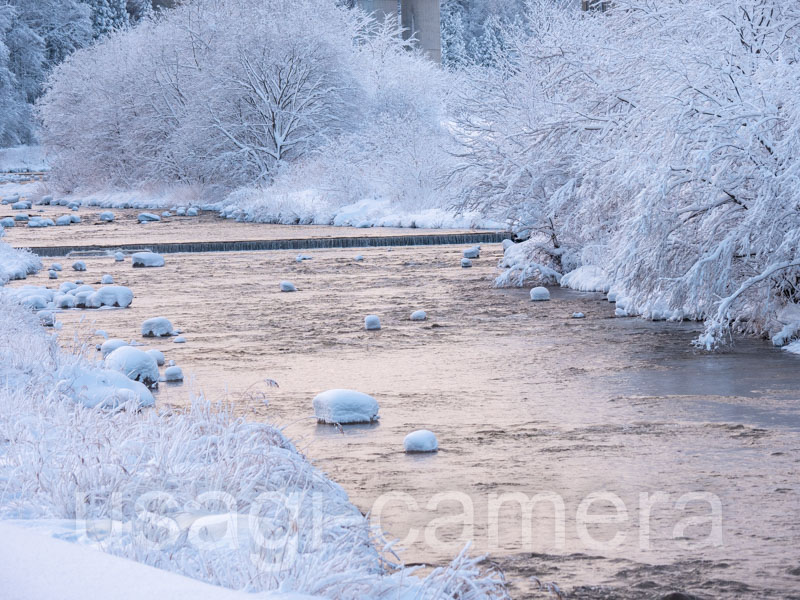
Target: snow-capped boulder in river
{"points": [[191, 212], [55, 266], [146, 217], [466, 263], [539, 294], [288, 286], [421, 440], [578, 315], [358, 258], [119, 256], [52, 274], [134, 364], [110, 295], [7, 222], [372, 322], [173, 374], [79, 265], [147, 259], [474, 252], [103, 388], [63, 220], [157, 355], [106, 279], [179, 340], [106, 216], [109, 346], [345, 406], [157, 327], [507, 244], [419, 315]]}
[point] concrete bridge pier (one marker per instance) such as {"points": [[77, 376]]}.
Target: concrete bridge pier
{"points": [[420, 18]]}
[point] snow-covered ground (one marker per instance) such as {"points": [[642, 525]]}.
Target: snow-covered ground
{"points": [[202, 493]]}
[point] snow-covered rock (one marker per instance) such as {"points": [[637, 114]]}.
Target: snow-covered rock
{"points": [[106, 279], [74, 219], [421, 440], [474, 252], [539, 294], [345, 406], [612, 296], [147, 259], [466, 263], [119, 256], [109, 346], [191, 212], [372, 322], [181, 211], [41, 222], [419, 315], [7, 222], [288, 286], [302, 257], [157, 327], [578, 315], [166, 213], [63, 220], [587, 278], [47, 318], [21, 205], [179, 340], [64, 301], [173, 374], [67, 286], [110, 295], [134, 364], [55, 267], [106, 388], [106, 216], [79, 265], [358, 258], [146, 217], [52, 274], [157, 355]]}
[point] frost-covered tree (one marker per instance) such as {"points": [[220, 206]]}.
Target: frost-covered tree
{"points": [[108, 15], [660, 138], [195, 97]]}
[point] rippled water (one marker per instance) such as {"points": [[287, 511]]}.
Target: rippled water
{"points": [[524, 400]]}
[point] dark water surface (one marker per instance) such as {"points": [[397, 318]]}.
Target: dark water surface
{"points": [[524, 400]]}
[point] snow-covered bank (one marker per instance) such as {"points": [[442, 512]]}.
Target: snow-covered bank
{"points": [[313, 207], [36, 567], [202, 493], [18, 159], [16, 264]]}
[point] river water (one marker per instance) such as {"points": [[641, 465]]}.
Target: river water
{"points": [[692, 459]]}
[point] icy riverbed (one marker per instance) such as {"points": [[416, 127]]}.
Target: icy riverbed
{"points": [[523, 400]]}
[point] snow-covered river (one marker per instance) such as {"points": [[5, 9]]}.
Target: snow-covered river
{"points": [[599, 417]]}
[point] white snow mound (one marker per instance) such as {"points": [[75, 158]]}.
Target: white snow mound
{"points": [[372, 322], [110, 295], [421, 440], [157, 327], [419, 315], [147, 259], [539, 294], [288, 286], [134, 364], [345, 406]]}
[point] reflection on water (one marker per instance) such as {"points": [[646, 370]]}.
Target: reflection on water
{"points": [[524, 401]]}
